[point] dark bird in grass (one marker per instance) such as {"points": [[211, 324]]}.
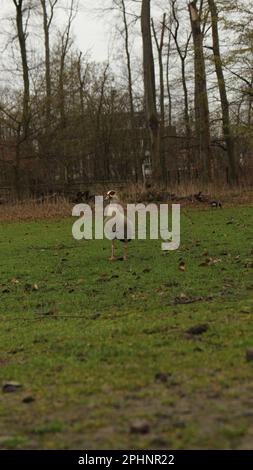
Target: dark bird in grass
{"points": [[81, 196], [216, 204], [200, 197], [113, 199]]}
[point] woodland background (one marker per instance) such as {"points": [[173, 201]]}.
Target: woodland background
{"points": [[175, 95]]}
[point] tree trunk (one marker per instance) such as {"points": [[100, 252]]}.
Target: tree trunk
{"points": [[46, 27], [25, 68], [168, 79], [136, 162], [81, 81], [182, 53], [128, 57], [65, 44], [202, 122], [150, 90], [61, 92], [17, 182], [24, 127], [160, 46], [186, 105], [223, 94]]}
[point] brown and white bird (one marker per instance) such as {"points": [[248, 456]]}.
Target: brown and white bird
{"points": [[216, 204], [114, 200]]}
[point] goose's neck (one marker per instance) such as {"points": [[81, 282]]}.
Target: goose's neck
{"points": [[114, 200]]}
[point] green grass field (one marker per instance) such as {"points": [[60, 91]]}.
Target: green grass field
{"points": [[101, 349]]}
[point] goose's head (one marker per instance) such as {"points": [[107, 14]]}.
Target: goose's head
{"points": [[112, 196]]}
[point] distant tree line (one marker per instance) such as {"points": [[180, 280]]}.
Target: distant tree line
{"points": [[184, 103]]}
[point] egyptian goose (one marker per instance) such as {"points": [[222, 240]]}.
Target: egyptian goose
{"points": [[113, 199]]}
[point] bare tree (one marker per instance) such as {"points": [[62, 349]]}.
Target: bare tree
{"points": [[65, 43], [223, 93], [160, 46], [22, 37], [174, 30], [122, 3], [128, 60], [202, 118], [150, 89], [82, 75], [47, 20], [23, 127], [99, 116], [168, 77]]}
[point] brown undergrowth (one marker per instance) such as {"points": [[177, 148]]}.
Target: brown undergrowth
{"points": [[33, 209]]}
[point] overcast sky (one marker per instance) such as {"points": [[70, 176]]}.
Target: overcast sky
{"points": [[91, 29]]}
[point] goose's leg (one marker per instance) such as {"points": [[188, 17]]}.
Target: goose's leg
{"points": [[125, 250], [113, 249]]}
